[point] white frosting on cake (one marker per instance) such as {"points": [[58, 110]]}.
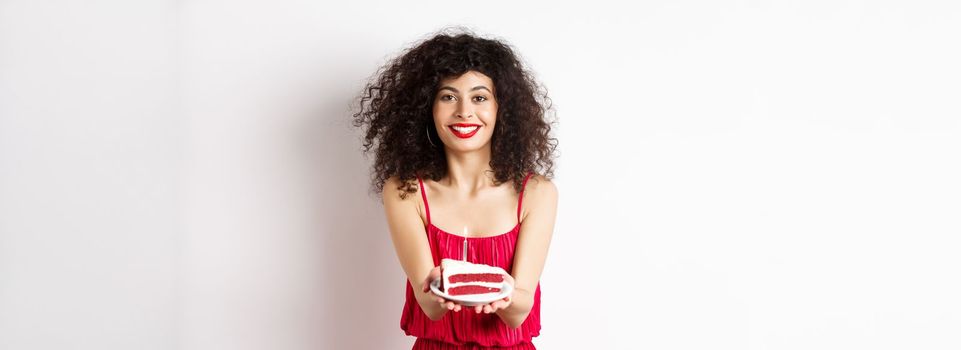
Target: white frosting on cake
{"points": [[450, 267]]}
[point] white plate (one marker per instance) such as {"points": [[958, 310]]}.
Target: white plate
{"points": [[472, 300]]}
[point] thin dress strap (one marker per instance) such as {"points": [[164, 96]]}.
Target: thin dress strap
{"points": [[423, 194], [520, 198]]}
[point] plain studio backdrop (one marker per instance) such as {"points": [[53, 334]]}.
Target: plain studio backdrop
{"points": [[732, 175]]}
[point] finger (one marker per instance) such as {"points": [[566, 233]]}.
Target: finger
{"points": [[478, 308], [456, 308]]}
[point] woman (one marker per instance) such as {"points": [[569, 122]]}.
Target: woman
{"points": [[461, 139]]}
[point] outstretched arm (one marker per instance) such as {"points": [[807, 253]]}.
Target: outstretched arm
{"points": [[537, 227], [410, 241]]}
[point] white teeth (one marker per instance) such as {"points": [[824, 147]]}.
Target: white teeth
{"points": [[465, 130]]}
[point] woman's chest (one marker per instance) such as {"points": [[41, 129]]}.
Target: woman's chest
{"points": [[481, 217], [495, 251]]}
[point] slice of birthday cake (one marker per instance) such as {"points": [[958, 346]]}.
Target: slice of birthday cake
{"points": [[464, 278]]}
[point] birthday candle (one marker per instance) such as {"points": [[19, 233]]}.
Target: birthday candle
{"points": [[465, 243]]}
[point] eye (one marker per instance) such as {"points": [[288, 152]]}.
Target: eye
{"points": [[480, 98], [446, 97]]}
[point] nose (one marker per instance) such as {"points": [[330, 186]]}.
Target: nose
{"points": [[464, 111]]}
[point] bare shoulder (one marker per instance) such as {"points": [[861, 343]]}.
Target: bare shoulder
{"points": [[391, 190], [397, 200], [540, 196], [390, 193], [394, 191], [540, 188]]}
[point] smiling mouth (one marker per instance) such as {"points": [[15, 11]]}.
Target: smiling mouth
{"points": [[464, 130]]}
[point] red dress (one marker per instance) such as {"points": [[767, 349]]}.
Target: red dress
{"points": [[467, 329]]}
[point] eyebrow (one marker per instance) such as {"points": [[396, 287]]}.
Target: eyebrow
{"points": [[478, 87]]}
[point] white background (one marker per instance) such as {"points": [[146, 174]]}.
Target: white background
{"points": [[760, 175]]}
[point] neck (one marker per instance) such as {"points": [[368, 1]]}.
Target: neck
{"points": [[469, 171]]}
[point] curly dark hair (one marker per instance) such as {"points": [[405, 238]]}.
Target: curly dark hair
{"points": [[395, 109]]}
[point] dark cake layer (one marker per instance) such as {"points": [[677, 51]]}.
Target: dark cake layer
{"points": [[463, 290]]}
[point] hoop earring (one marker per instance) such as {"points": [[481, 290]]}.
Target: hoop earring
{"points": [[427, 127]]}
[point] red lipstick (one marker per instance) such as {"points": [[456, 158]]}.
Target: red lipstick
{"points": [[466, 130]]}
